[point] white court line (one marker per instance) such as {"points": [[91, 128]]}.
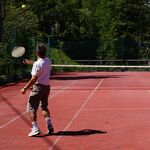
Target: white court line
{"points": [[116, 109], [17, 117], [74, 117], [7, 123], [63, 89]]}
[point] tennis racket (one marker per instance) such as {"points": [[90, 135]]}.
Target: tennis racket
{"points": [[18, 51]]}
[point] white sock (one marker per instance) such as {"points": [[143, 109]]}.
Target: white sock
{"points": [[34, 124], [48, 122]]}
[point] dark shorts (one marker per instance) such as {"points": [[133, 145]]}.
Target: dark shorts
{"points": [[38, 96]]}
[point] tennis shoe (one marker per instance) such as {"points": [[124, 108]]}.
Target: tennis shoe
{"points": [[34, 132]]}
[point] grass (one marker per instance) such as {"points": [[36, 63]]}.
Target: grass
{"points": [[59, 57]]}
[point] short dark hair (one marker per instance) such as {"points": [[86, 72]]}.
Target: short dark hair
{"points": [[41, 50]]}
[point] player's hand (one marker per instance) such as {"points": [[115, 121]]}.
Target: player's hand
{"points": [[23, 91], [25, 61], [28, 62]]}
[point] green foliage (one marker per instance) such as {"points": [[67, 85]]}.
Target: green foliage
{"points": [[24, 20], [121, 27], [18, 25], [125, 22], [81, 49], [59, 57], [3, 53]]}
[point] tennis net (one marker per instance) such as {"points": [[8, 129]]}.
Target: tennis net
{"points": [[102, 65], [88, 68]]}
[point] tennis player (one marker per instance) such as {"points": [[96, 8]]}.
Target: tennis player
{"points": [[40, 90]]}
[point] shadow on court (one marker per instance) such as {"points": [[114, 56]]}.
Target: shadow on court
{"points": [[85, 132], [25, 120], [13, 84], [85, 77], [14, 109]]}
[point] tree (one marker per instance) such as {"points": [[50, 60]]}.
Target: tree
{"points": [[122, 25], [18, 26], [107, 12], [2, 17]]}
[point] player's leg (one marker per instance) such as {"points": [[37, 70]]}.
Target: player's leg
{"points": [[45, 110], [33, 119], [32, 106], [48, 121]]}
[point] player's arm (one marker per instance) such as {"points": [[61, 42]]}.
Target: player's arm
{"points": [[29, 84], [28, 62]]}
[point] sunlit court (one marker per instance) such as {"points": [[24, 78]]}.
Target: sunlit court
{"points": [[74, 74], [90, 110]]}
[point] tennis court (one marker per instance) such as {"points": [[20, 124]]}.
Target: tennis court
{"points": [[90, 111]]}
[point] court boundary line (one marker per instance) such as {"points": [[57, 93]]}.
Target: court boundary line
{"points": [[66, 87], [76, 114], [17, 117]]}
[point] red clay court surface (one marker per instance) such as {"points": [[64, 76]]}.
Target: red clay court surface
{"points": [[90, 111]]}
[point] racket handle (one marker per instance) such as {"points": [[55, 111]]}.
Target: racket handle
{"points": [[23, 60]]}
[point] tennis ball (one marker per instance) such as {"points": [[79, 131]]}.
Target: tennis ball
{"points": [[23, 6]]}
